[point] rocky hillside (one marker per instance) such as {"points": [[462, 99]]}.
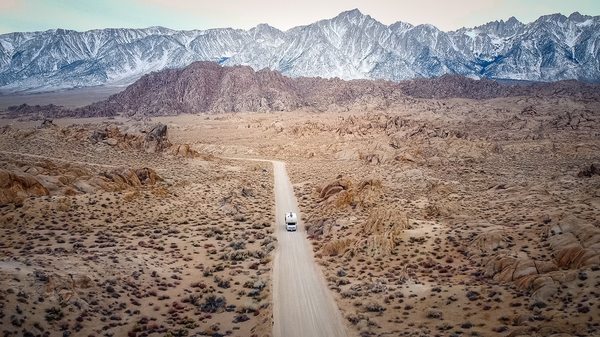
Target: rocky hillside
{"points": [[209, 87], [351, 45]]}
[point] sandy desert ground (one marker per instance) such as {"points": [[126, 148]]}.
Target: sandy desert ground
{"points": [[71, 98], [95, 243], [439, 218]]}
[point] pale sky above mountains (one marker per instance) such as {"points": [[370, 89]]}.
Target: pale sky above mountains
{"points": [[33, 15]]}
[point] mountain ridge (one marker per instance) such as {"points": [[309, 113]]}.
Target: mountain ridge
{"points": [[207, 87], [351, 45]]}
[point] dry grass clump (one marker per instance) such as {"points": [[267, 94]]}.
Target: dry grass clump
{"points": [[382, 230], [130, 196], [345, 199], [337, 248], [491, 239], [378, 245], [438, 207], [160, 192], [384, 220], [63, 204]]}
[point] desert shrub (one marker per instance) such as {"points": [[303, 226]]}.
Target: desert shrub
{"points": [[213, 304], [178, 333], [432, 210], [259, 284], [63, 204], [354, 319], [345, 198], [240, 318], [247, 308], [193, 299], [54, 314], [238, 255], [222, 283], [374, 307], [434, 314], [238, 245]]}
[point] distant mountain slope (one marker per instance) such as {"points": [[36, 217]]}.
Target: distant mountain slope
{"points": [[207, 87], [350, 46]]}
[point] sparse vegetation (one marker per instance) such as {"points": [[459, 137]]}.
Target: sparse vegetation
{"points": [[447, 217]]}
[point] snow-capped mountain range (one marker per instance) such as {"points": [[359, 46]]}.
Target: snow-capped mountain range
{"points": [[350, 46]]}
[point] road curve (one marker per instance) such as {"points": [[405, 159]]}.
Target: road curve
{"points": [[303, 305]]}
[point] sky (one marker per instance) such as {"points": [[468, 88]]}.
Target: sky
{"points": [[34, 15]]}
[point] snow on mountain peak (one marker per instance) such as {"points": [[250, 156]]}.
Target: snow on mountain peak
{"points": [[349, 45]]}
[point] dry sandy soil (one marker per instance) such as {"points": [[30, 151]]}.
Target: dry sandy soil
{"points": [[72, 98], [444, 217], [90, 248]]}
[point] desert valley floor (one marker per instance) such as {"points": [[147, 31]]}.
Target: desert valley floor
{"points": [[452, 217]]}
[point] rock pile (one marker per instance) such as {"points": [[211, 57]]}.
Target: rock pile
{"points": [[150, 139], [51, 179], [343, 192], [574, 245]]}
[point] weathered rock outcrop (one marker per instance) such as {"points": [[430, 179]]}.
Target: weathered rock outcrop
{"points": [[14, 187], [151, 139], [55, 180], [574, 245], [184, 150], [123, 178], [343, 192]]}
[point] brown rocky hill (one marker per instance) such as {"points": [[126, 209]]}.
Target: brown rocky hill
{"points": [[454, 86], [201, 87], [207, 87]]}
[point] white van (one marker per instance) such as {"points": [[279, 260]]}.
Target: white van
{"points": [[291, 221]]}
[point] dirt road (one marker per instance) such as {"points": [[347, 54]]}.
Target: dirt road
{"points": [[303, 306]]}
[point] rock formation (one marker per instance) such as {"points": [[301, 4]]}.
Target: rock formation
{"points": [[14, 187]]}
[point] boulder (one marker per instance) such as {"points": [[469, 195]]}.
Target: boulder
{"points": [[47, 123], [111, 141], [506, 268], [333, 188], [98, 136], [147, 176], [185, 151], [574, 243], [491, 238], [123, 178], [152, 139], [590, 171], [156, 139]]}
